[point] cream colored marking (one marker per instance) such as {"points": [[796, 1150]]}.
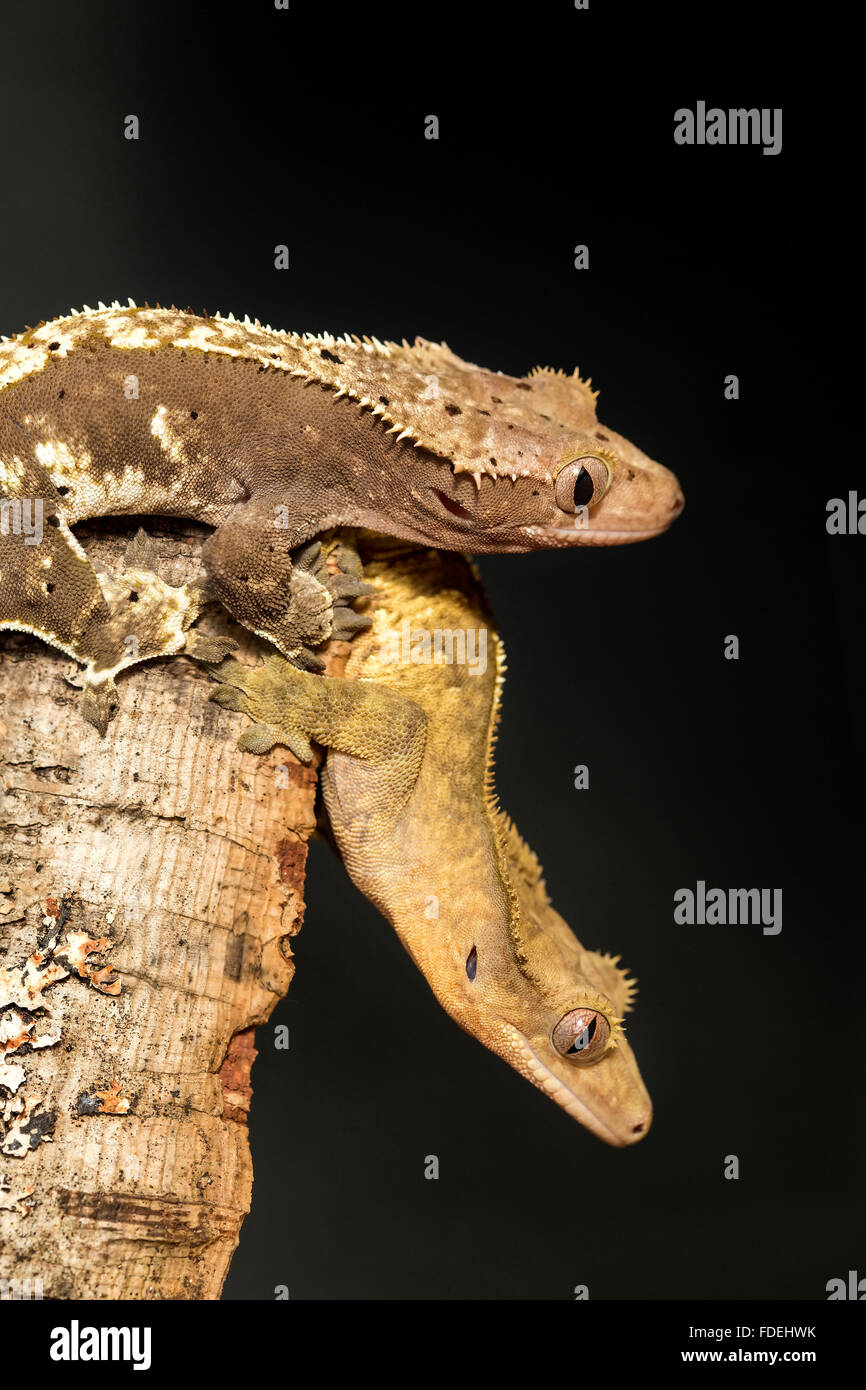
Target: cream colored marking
{"points": [[211, 338], [176, 609], [9, 474], [58, 459], [134, 336], [297, 354], [91, 493], [167, 436], [19, 359], [72, 540]]}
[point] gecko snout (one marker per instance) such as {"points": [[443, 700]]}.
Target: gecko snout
{"points": [[640, 1125]]}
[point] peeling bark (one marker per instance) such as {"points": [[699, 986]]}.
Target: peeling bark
{"points": [[150, 885]]}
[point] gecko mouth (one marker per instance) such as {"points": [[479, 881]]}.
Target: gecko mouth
{"points": [[451, 506], [542, 1077], [594, 535]]}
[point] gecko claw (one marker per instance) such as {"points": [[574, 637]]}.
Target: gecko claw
{"points": [[300, 745], [319, 606], [347, 559], [345, 584], [311, 559], [228, 698]]}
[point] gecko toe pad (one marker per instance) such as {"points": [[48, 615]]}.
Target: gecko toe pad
{"points": [[141, 553], [99, 704], [203, 647], [345, 583], [273, 696], [320, 607], [347, 623]]}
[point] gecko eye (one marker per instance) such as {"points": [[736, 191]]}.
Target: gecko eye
{"points": [[582, 1033], [581, 483], [472, 963]]}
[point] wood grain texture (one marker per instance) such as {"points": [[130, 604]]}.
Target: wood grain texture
{"points": [[161, 863]]}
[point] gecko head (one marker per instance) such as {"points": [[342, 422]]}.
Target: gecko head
{"points": [[581, 493], [523, 464], [561, 1032], [526, 987]]}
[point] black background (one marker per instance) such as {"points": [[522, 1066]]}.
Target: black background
{"points": [[261, 127]]}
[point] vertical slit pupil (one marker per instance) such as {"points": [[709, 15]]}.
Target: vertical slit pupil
{"points": [[583, 1039], [583, 488]]}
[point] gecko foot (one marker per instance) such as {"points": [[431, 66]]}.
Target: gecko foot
{"points": [[142, 555], [341, 587], [265, 694], [346, 583]]}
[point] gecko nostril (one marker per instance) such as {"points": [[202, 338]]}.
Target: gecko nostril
{"points": [[638, 1128]]}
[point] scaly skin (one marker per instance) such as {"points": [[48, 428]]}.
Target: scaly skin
{"points": [[273, 438], [408, 785]]}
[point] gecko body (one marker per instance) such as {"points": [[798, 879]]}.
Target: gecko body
{"points": [[272, 438], [408, 786]]}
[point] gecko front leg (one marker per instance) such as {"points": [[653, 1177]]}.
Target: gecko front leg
{"points": [[143, 616], [385, 730], [279, 589]]}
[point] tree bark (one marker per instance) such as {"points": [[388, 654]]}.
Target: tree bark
{"points": [[150, 886]]}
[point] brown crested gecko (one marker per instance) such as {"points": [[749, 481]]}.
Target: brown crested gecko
{"points": [[408, 787], [272, 438]]}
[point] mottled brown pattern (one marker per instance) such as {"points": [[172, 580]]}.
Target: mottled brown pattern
{"points": [[272, 439]]}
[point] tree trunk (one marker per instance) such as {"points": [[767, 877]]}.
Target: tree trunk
{"points": [[150, 885]]}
